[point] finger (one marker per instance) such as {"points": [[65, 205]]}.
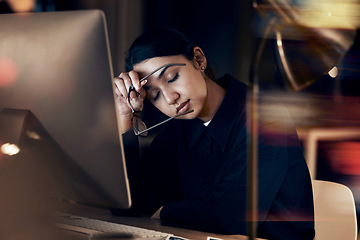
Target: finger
{"points": [[142, 91], [137, 84], [133, 95], [132, 79], [134, 76], [137, 94], [127, 80], [137, 105], [142, 84], [120, 87]]}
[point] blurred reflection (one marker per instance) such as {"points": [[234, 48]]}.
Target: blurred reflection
{"points": [[344, 157], [339, 14], [339, 161], [314, 110], [330, 13], [305, 50]]}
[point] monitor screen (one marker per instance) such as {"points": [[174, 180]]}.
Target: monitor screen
{"points": [[56, 86]]}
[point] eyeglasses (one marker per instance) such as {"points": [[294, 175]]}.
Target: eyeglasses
{"points": [[138, 124]]}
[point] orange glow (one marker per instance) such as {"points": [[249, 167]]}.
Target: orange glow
{"points": [[344, 157], [21, 6], [8, 72]]}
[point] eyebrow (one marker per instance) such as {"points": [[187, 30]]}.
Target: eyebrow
{"points": [[166, 66], [161, 74], [163, 66], [163, 71]]}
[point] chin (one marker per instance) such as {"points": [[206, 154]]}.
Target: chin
{"points": [[191, 115]]}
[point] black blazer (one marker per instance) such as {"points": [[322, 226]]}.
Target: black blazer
{"points": [[199, 174]]}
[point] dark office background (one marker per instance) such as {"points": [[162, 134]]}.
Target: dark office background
{"points": [[221, 28], [228, 32]]}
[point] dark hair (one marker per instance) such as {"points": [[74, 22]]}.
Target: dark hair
{"points": [[161, 43]]}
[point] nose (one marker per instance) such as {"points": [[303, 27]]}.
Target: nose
{"points": [[170, 96]]}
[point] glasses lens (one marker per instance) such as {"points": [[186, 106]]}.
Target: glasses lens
{"points": [[139, 126]]}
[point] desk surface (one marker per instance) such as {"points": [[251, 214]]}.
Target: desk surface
{"points": [[148, 223]]}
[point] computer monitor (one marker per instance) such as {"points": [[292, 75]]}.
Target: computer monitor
{"points": [[57, 103]]}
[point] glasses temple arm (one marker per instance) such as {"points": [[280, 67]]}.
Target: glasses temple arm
{"points": [[160, 123]]}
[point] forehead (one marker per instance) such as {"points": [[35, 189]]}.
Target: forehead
{"points": [[149, 65]]}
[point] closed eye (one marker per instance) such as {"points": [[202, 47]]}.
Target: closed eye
{"points": [[155, 97], [174, 79]]}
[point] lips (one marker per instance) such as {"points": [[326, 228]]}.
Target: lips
{"points": [[183, 107]]}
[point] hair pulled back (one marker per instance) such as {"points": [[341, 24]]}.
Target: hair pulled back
{"points": [[160, 43]]}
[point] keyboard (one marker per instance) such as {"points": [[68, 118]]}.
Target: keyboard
{"points": [[95, 227]]}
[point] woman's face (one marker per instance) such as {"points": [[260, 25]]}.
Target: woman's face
{"points": [[175, 89]]}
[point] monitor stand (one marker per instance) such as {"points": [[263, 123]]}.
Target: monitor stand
{"points": [[25, 185], [67, 181], [20, 129]]}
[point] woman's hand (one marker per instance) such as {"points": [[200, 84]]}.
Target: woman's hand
{"points": [[122, 84]]}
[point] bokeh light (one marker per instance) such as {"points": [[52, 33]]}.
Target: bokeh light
{"points": [[333, 72], [8, 72], [9, 149], [22, 6]]}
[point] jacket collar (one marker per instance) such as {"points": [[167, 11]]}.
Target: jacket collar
{"points": [[221, 126]]}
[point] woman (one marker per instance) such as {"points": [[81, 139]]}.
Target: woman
{"points": [[194, 174]]}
